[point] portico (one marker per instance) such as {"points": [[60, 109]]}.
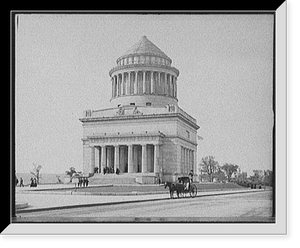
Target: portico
{"points": [[128, 153]]}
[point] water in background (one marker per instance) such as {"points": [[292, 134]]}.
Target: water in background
{"points": [[46, 178]]}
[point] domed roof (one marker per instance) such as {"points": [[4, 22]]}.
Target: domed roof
{"points": [[145, 46]]}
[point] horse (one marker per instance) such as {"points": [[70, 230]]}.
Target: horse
{"points": [[172, 188], [180, 188]]}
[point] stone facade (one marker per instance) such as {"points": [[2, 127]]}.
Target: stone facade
{"points": [[144, 131]]}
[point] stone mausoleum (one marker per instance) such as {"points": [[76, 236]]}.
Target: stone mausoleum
{"points": [[144, 133]]}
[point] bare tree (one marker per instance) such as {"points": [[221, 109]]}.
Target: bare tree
{"points": [[209, 166], [36, 172]]}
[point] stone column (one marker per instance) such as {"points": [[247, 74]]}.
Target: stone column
{"points": [[171, 86], [144, 82], [128, 84], [152, 83], [92, 164], [187, 159], [183, 160], [122, 162], [119, 84], [175, 87], [97, 158], [108, 156], [117, 158], [144, 158], [178, 159], [120, 79], [123, 84], [162, 82], [135, 159], [136, 83], [156, 158], [103, 158], [130, 164], [195, 163], [112, 87], [116, 83], [166, 85], [158, 84]]}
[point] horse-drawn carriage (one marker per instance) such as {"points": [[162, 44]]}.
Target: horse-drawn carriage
{"points": [[182, 186]]}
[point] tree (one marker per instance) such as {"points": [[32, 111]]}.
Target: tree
{"points": [[229, 170], [71, 172], [36, 172], [242, 177], [268, 177], [258, 176], [209, 165], [219, 174]]}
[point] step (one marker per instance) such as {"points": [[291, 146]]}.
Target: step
{"points": [[132, 178], [111, 180]]}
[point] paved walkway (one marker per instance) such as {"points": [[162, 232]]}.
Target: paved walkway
{"points": [[55, 200]]}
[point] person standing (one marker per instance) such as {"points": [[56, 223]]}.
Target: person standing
{"points": [[191, 175], [34, 182], [31, 182]]}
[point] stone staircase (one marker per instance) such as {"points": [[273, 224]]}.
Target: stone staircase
{"points": [[112, 179]]}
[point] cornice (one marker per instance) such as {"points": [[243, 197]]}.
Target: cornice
{"points": [[135, 117], [141, 66]]}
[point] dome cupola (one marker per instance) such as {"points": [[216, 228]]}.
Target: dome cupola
{"points": [[144, 77]]}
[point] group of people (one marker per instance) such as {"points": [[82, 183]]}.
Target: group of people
{"points": [[33, 182], [21, 182], [83, 182], [107, 170]]}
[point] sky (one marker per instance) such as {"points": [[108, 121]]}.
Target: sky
{"points": [[225, 81]]}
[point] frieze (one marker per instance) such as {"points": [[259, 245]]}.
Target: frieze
{"points": [[126, 139]]}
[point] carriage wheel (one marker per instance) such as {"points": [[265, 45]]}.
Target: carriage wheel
{"points": [[193, 191]]}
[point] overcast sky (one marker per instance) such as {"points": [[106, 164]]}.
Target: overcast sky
{"points": [[225, 81]]}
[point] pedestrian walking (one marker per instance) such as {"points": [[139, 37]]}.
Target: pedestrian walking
{"points": [[21, 182], [86, 182]]}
